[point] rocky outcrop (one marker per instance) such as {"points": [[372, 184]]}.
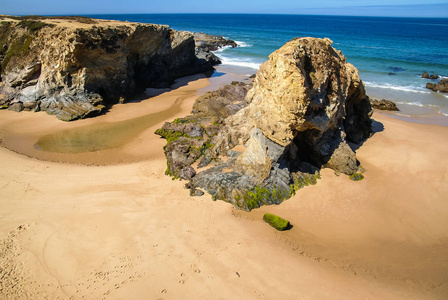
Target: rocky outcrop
{"points": [[306, 102], [74, 67], [427, 76], [206, 44], [383, 104], [441, 86], [212, 42], [188, 139]]}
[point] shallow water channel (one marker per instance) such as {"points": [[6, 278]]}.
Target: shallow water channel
{"points": [[103, 136]]}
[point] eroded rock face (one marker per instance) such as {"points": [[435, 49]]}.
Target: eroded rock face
{"points": [[75, 69], [305, 104]]}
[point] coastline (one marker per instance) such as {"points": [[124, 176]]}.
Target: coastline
{"points": [[126, 230]]}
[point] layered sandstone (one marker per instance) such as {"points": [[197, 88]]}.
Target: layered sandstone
{"points": [[305, 104], [74, 67]]}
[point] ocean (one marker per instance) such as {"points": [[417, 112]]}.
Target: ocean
{"points": [[391, 54]]}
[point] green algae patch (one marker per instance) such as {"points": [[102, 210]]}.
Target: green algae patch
{"points": [[169, 135], [276, 222], [356, 177]]}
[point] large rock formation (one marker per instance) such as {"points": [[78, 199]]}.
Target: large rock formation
{"points": [[305, 103], [73, 67]]}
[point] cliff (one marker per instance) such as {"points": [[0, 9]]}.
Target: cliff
{"points": [[73, 67], [264, 142]]}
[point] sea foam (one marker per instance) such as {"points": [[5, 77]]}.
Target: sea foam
{"points": [[243, 44], [408, 88], [241, 62]]}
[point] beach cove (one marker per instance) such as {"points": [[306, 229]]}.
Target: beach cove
{"points": [[87, 212], [125, 229]]}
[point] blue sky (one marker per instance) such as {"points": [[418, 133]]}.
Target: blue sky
{"points": [[403, 8]]}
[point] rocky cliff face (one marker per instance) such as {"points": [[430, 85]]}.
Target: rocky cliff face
{"points": [[73, 67], [305, 103]]}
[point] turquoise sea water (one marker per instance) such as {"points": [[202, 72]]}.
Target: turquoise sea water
{"points": [[390, 53]]}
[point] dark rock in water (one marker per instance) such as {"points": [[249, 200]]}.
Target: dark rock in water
{"points": [[432, 76], [276, 222], [263, 143], [76, 72], [212, 42], [207, 56], [441, 86], [206, 44], [383, 104]]}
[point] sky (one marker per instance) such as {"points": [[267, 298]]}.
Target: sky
{"points": [[398, 8]]}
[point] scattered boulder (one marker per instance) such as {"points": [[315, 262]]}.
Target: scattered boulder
{"points": [[441, 86], [196, 193], [276, 222], [383, 104], [17, 106]]}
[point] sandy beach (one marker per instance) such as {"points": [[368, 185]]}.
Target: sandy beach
{"points": [[110, 225]]}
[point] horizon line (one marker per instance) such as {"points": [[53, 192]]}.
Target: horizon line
{"points": [[227, 13]]}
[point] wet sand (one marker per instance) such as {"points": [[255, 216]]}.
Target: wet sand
{"points": [[124, 134], [127, 231]]}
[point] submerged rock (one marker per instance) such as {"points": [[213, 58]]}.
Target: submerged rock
{"points": [[306, 102], [75, 71], [427, 76]]}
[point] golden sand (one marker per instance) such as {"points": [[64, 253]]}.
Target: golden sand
{"points": [[127, 231]]}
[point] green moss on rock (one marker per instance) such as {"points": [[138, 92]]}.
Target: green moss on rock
{"points": [[356, 177], [302, 181], [169, 135], [276, 222]]}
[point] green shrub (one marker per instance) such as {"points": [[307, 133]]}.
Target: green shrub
{"points": [[32, 25], [19, 48]]}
